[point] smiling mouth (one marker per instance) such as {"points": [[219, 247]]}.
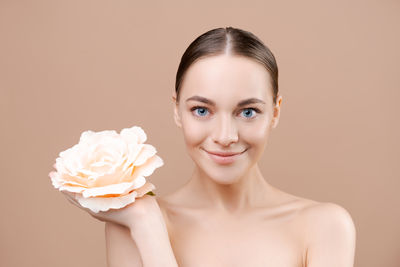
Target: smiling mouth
{"points": [[224, 154], [224, 157]]}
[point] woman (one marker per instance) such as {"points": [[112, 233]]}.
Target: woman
{"points": [[226, 103]]}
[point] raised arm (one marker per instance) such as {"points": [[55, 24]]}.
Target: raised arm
{"points": [[153, 243], [141, 221], [121, 249], [331, 236], [144, 242]]}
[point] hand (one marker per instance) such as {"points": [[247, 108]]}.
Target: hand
{"points": [[143, 209], [147, 228]]}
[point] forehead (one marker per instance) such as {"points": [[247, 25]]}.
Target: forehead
{"points": [[227, 77]]}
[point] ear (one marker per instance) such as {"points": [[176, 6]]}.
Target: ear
{"points": [[177, 117], [277, 111]]}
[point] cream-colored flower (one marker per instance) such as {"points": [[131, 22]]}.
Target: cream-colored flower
{"points": [[107, 170]]}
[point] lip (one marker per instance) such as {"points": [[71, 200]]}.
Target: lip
{"points": [[224, 157], [224, 154]]}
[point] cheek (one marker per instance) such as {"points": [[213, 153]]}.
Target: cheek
{"points": [[194, 132], [256, 134], [256, 138]]}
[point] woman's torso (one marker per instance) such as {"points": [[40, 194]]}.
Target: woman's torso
{"points": [[269, 236]]}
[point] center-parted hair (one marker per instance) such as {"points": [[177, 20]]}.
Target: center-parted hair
{"points": [[232, 41]]}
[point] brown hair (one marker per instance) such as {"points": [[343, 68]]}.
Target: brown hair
{"points": [[228, 40]]}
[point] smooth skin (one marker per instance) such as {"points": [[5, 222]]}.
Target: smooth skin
{"points": [[229, 215]]}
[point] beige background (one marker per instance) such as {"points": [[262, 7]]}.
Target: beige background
{"points": [[71, 66]]}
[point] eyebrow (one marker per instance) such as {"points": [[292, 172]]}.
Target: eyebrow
{"points": [[212, 103]]}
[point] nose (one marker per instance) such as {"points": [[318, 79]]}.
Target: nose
{"points": [[225, 132]]}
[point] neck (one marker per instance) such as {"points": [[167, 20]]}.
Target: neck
{"points": [[250, 191]]}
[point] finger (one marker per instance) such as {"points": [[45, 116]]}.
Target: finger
{"points": [[73, 201], [76, 203], [70, 199], [99, 216]]}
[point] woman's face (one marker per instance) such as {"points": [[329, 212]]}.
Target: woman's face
{"points": [[226, 106]]}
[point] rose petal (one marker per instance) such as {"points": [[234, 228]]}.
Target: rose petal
{"points": [[106, 169], [55, 179], [73, 189], [144, 189], [134, 134], [121, 188], [83, 181], [86, 135], [97, 204], [58, 180], [148, 168], [72, 183], [147, 152], [132, 154], [113, 178]]}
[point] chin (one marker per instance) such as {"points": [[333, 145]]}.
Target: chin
{"points": [[228, 181], [220, 176]]}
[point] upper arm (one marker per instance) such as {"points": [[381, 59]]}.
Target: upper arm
{"points": [[121, 249], [331, 236]]}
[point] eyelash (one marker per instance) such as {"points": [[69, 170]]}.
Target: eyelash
{"points": [[254, 109]]}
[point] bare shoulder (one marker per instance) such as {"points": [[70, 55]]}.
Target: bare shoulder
{"points": [[327, 215], [329, 235]]}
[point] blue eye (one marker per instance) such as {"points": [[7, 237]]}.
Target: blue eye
{"points": [[248, 112], [202, 111]]}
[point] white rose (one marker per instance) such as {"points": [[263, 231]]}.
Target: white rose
{"points": [[107, 170]]}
